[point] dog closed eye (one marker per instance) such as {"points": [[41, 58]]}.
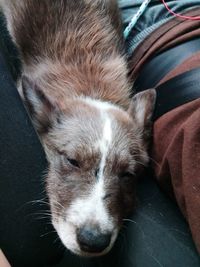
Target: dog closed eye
{"points": [[73, 162], [70, 161], [126, 175]]}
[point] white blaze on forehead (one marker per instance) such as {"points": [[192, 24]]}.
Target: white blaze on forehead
{"points": [[106, 138], [104, 144]]}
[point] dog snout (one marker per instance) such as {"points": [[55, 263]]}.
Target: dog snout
{"points": [[92, 240]]}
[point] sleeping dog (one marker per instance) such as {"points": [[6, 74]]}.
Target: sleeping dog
{"points": [[75, 85]]}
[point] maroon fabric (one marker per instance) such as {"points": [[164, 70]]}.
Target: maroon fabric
{"points": [[176, 137], [176, 153], [168, 35]]}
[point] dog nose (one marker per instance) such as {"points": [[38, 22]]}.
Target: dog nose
{"points": [[92, 240]]}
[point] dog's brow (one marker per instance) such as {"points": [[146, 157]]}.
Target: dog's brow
{"points": [[57, 150]]}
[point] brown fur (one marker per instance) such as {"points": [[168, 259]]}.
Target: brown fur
{"points": [[41, 39], [74, 83]]}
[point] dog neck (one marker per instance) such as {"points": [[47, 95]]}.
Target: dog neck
{"points": [[104, 81]]}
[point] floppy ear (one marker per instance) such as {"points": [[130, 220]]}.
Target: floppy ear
{"points": [[141, 109], [41, 109]]}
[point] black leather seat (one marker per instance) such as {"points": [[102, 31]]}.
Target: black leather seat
{"points": [[157, 236]]}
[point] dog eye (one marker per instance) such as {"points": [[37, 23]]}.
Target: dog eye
{"points": [[73, 162], [125, 175], [107, 196]]}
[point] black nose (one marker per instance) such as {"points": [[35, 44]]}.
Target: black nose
{"points": [[92, 240]]}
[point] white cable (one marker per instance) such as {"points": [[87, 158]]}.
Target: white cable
{"points": [[136, 17]]}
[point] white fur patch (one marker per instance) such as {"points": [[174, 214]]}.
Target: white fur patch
{"points": [[67, 233], [91, 209], [85, 211], [104, 144], [100, 105]]}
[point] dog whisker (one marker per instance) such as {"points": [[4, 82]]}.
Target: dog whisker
{"points": [[129, 220], [48, 233]]}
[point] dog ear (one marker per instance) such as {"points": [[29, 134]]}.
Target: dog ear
{"points": [[141, 109], [41, 109]]}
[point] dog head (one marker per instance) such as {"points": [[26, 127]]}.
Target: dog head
{"points": [[95, 151]]}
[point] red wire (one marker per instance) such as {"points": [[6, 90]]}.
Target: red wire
{"points": [[178, 15]]}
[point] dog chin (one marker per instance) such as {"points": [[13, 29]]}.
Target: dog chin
{"points": [[67, 233]]}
